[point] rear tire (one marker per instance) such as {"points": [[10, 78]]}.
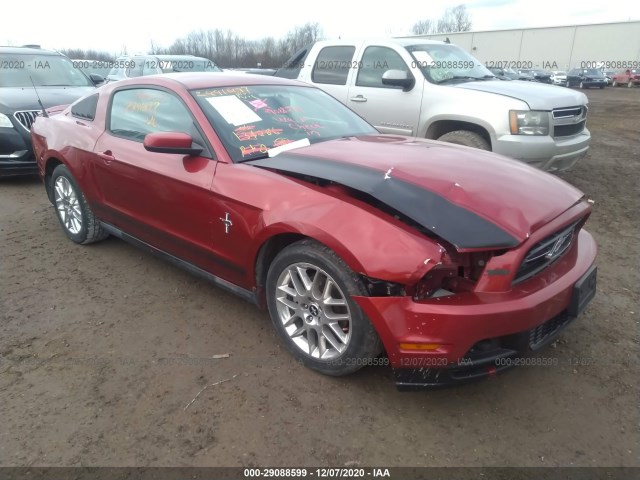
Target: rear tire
{"points": [[466, 138], [309, 290], [75, 216]]}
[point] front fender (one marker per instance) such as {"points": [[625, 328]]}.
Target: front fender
{"points": [[370, 242]]}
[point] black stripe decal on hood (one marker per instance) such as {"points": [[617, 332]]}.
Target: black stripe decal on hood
{"points": [[454, 224]]}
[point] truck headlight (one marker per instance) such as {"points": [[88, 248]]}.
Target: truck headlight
{"points": [[4, 121], [529, 122]]}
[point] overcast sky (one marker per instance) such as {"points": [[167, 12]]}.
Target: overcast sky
{"points": [[110, 24]]}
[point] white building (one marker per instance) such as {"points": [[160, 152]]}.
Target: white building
{"points": [[611, 46]]}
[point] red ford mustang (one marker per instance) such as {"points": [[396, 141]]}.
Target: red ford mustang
{"points": [[453, 261]]}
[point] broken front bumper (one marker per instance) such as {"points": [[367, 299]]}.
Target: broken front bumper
{"points": [[480, 334]]}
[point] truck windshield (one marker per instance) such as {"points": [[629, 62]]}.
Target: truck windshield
{"points": [[441, 63], [18, 70]]}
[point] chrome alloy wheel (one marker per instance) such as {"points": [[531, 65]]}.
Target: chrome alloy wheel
{"points": [[67, 205], [314, 311]]}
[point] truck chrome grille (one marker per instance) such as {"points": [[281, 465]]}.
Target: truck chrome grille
{"points": [[26, 117], [544, 253], [569, 121]]}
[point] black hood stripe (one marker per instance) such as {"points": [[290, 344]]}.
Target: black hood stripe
{"points": [[454, 224]]}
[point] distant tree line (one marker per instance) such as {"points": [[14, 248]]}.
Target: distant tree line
{"points": [[228, 50], [80, 54]]}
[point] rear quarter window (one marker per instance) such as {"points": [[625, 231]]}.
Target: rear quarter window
{"points": [[86, 108]]}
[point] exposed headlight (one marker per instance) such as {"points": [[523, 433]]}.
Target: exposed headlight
{"points": [[4, 121], [529, 122]]}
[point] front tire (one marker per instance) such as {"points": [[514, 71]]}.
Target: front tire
{"points": [[75, 216], [309, 290], [466, 138]]}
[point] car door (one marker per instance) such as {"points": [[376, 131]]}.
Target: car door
{"points": [[159, 198], [388, 108]]}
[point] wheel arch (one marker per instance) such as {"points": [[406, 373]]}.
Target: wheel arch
{"points": [[50, 165], [442, 126]]}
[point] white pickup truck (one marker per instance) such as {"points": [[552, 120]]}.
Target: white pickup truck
{"points": [[435, 90]]}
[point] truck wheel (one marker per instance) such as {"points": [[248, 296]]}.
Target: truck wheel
{"points": [[466, 138]]}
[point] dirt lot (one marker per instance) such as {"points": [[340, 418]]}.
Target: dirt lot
{"points": [[102, 348]]}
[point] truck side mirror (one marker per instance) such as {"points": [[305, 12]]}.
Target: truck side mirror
{"points": [[398, 78]]}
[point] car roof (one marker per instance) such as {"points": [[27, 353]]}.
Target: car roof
{"points": [[28, 51], [196, 80]]}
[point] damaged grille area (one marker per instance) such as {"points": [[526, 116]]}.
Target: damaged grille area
{"points": [[546, 252], [26, 117]]}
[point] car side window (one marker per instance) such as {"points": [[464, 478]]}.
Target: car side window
{"points": [[333, 64], [138, 111], [376, 61], [135, 68], [86, 108]]}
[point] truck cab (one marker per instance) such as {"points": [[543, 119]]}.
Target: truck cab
{"points": [[435, 90]]}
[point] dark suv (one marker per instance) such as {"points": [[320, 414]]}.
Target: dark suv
{"points": [[586, 77], [23, 72]]}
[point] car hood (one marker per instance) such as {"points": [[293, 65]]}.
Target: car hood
{"points": [[537, 96], [25, 98], [470, 198]]}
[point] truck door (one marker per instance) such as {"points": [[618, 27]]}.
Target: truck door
{"points": [[330, 72], [390, 109]]}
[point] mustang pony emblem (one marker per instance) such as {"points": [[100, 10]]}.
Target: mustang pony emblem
{"points": [[227, 222]]}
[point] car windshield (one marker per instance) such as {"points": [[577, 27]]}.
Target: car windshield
{"points": [[593, 72], [188, 65], [251, 120], [443, 63], [19, 70]]}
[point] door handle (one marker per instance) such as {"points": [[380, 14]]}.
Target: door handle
{"points": [[107, 156], [358, 98]]}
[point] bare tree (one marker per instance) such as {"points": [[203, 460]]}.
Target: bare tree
{"points": [[423, 27], [455, 19], [300, 37], [81, 54]]}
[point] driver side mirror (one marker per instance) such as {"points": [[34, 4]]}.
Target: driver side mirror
{"points": [[398, 78], [170, 142], [96, 79]]}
